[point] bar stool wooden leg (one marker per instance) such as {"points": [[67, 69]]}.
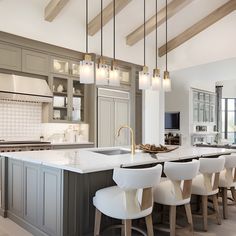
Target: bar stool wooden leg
{"points": [[172, 220], [189, 216], [216, 207], [233, 192], [127, 227], [204, 211], [149, 225], [225, 201], [98, 216], [123, 228]]}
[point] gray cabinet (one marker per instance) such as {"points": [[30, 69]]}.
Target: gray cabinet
{"points": [[31, 192], [15, 187], [35, 62], [34, 194], [113, 112], [121, 118], [106, 131], [10, 57], [50, 201], [64, 66]]}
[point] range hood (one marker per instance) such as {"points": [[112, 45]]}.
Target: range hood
{"points": [[22, 88]]}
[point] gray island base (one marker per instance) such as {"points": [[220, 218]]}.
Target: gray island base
{"points": [[50, 192]]}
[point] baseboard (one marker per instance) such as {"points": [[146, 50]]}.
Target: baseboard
{"points": [[25, 225]]}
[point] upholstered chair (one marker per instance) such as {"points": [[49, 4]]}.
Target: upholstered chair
{"points": [[175, 190], [132, 198]]}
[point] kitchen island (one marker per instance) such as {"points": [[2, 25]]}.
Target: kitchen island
{"points": [[50, 192]]}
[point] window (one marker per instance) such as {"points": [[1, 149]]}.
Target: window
{"points": [[228, 112]]}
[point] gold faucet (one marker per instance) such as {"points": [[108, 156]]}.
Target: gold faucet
{"points": [[132, 137]]}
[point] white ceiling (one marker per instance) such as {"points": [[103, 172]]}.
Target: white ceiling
{"points": [[26, 18]]}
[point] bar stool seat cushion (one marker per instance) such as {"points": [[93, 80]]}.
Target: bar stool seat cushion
{"points": [[111, 201], [199, 188], [164, 193]]}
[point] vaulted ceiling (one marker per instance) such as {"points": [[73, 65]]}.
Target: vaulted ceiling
{"points": [[189, 47]]}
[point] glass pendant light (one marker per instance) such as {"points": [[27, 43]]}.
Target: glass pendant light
{"points": [[86, 68], [102, 70], [144, 77], [156, 79], [114, 76], [166, 79]]}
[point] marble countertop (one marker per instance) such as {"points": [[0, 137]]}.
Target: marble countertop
{"points": [[87, 161], [67, 143]]}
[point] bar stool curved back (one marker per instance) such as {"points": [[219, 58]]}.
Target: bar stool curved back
{"points": [[132, 198], [206, 184], [228, 181]]}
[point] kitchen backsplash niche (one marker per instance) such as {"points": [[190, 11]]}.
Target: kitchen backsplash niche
{"points": [[20, 120]]}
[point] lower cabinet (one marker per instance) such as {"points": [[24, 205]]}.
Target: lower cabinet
{"points": [[50, 201], [15, 187], [31, 193], [35, 195]]}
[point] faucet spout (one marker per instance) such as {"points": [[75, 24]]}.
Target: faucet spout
{"points": [[132, 137]]}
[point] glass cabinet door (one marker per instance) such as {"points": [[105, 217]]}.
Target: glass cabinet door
{"points": [[207, 113], [77, 101], [60, 66], [195, 96], [212, 113], [195, 111], [201, 112], [60, 99], [125, 77], [75, 68]]}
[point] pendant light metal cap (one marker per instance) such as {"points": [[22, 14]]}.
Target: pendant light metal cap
{"points": [[156, 72], [166, 75], [87, 57]]}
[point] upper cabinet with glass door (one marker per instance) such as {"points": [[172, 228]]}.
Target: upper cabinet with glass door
{"points": [[64, 66], [203, 106]]}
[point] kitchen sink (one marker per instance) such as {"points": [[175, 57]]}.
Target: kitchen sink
{"points": [[113, 152]]}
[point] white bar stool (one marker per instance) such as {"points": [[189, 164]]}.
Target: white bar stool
{"points": [[132, 198], [206, 184], [228, 181], [176, 190]]}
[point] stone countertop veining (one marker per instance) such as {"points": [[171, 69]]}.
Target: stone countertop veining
{"points": [[87, 161]]}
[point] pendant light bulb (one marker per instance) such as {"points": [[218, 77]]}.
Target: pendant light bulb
{"points": [[102, 73], [144, 79], [86, 68], [144, 76], [156, 80], [166, 79], [167, 82], [114, 76], [102, 70]]}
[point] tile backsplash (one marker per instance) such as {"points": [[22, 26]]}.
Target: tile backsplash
{"points": [[20, 120], [23, 121]]}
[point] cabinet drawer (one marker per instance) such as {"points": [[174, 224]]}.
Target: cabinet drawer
{"points": [[10, 57], [35, 62]]}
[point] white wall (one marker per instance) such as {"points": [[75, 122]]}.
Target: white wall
{"points": [[229, 88]]}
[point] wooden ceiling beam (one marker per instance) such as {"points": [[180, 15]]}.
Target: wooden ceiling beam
{"points": [[53, 9], [197, 28], [95, 24], [173, 7]]}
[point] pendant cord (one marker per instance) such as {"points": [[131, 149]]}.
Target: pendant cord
{"points": [[156, 34], [144, 33], [86, 26], [166, 35], [101, 28], [114, 29]]}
